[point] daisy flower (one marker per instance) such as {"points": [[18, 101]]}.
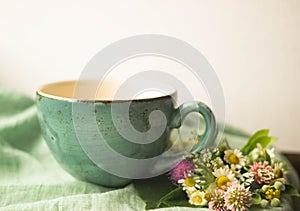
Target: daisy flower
{"points": [[235, 158], [198, 198], [263, 173], [181, 170], [190, 191], [237, 197], [279, 171], [224, 177], [189, 183]]}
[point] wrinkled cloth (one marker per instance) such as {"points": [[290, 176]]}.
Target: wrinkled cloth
{"points": [[31, 179]]}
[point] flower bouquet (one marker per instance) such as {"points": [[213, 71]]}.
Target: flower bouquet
{"points": [[224, 178]]}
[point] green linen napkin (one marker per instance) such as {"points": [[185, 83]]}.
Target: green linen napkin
{"points": [[30, 178]]}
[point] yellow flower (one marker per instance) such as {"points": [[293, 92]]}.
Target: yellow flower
{"points": [[208, 196], [271, 194]]}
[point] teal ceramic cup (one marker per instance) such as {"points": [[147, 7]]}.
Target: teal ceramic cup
{"points": [[94, 139]]}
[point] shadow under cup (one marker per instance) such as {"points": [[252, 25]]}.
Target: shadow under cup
{"points": [[110, 141]]}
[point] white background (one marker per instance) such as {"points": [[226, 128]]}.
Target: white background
{"points": [[253, 45]]}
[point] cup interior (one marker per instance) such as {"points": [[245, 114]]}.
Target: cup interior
{"points": [[86, 90]]}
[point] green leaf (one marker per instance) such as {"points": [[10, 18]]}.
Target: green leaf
{"points": [[173, 194], [159, 192], [205, 175], [176, 197], [291, 190], [268, 158], [260, 137], [252, 141], [153, 189], [265, 142], [260, 133], [182, 203], [256, 198]]}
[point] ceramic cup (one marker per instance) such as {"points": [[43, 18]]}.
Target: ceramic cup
{"points": [[72, 139]]}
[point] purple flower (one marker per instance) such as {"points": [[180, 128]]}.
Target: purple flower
{"points": [[181, 170]]}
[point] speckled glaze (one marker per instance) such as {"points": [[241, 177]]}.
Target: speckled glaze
{"points": [[56, 120], [58, 130]]}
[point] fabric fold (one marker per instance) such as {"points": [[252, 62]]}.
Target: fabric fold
{"points": [[31, 179]]}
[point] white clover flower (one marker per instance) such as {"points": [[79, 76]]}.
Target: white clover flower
{"points": [[271, 153], [246, 178], [206, 155], [238, 198], [216, 151], [263, 172], [217, 163], [217, 201], [257, 152]]}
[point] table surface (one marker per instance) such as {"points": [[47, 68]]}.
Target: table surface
{"points": [[294, 159]]}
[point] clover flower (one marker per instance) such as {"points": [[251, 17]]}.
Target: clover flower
{"points": [[217, 201], [258, 153], [237, 197], [246, 178], [181, 170], [271, 153], [205, 157], [224, 179], [263, 173], [217, 163]]}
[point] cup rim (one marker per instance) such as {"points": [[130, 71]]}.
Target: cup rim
{"points": [[42, 93]]}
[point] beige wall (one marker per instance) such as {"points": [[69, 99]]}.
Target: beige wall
{"points": [[253, 45]]}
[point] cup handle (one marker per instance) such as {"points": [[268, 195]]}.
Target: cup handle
{"points": [[209, 118]]}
